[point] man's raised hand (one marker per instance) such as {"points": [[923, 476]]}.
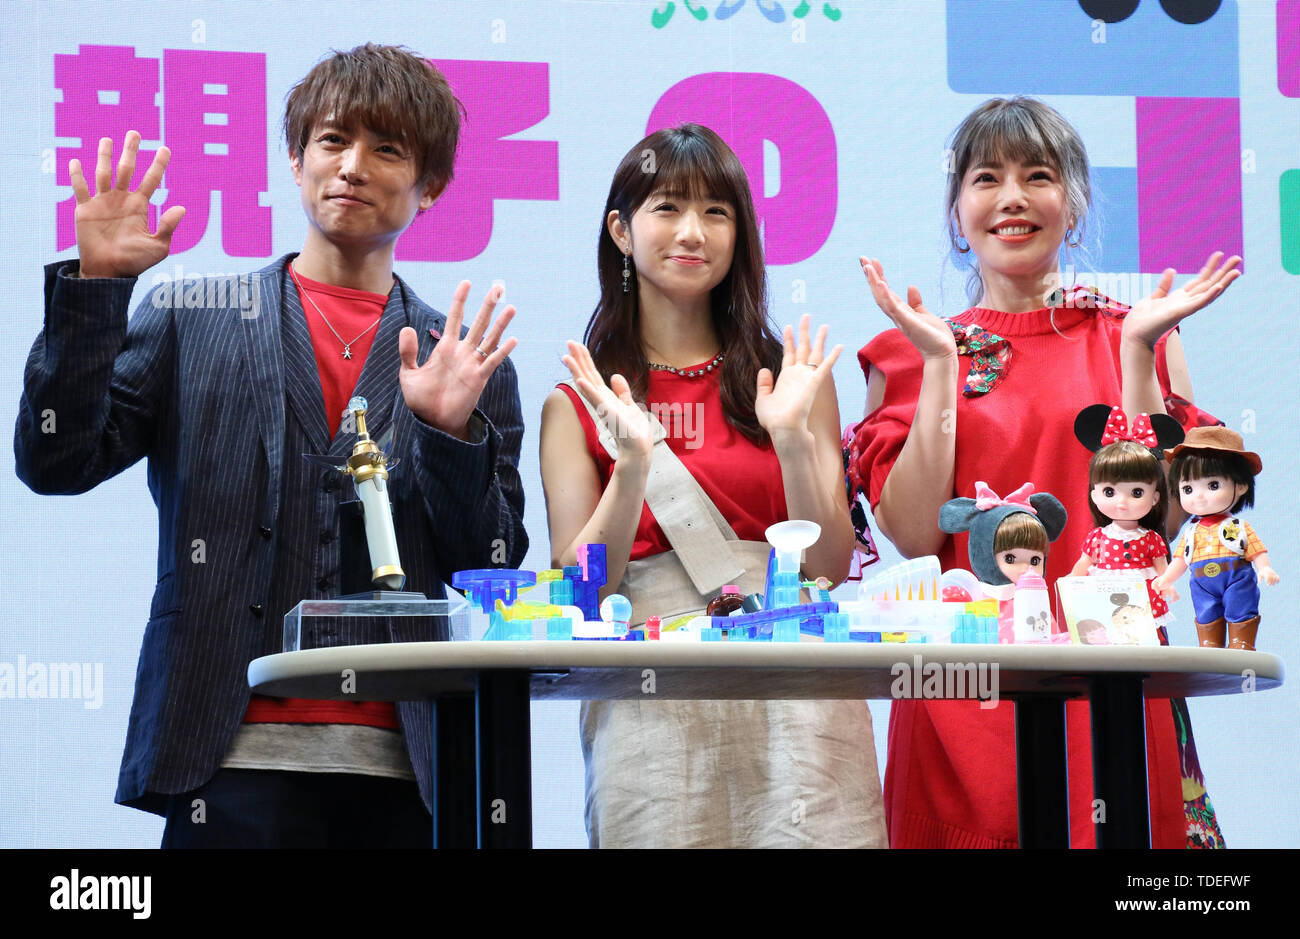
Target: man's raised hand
{"points": [[113, 237], [444, 391]]}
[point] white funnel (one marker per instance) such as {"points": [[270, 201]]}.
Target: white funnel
{"points": [[789, 539]]}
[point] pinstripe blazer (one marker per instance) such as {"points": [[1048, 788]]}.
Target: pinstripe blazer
{"points": [[197, 382]]}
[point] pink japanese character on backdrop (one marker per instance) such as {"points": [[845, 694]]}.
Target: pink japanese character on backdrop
{"points": [[459, 226], [746, 109], [107, 90], [214, 118], [214, 115], [1288, 47]]}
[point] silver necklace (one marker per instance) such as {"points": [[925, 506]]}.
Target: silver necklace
{"points": [[347, 346], [693, 373]]}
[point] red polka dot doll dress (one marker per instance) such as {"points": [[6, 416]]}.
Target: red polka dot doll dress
{"points": [[1114, 549]]}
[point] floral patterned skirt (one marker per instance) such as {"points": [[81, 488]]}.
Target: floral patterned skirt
{"points": [[1202, 826]]}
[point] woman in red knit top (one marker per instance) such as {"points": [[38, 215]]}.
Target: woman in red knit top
{"points": [[991, 395], [682, 327]]}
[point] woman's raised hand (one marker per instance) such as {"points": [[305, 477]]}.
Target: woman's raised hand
{"points": [[1152, 317], [782, 405], [931, 335], [615, 405], [113, 237]]}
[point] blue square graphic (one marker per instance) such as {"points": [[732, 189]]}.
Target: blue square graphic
{"points": [[1055, 48]]}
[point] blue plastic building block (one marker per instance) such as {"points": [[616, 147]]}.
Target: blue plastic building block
{"points": [[970, 628], [835, 627], [786, 630], [767, 581], [485, 587], [501, 629], [785, 590], [587, 578], [562, 592], [782, 624]]}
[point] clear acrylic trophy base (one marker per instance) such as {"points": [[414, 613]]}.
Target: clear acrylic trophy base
{"points": [[377, 616]]}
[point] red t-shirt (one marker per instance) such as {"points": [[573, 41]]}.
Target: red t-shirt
{"points": [[353, 313], [350, 311]]}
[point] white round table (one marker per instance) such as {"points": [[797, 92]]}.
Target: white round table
{"points": [[481, 692]]}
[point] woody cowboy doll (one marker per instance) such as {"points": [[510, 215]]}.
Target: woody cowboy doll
{"points": [[1214, 476]]}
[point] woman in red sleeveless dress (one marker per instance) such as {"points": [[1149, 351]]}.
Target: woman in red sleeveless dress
{"points": [[682, 328], [991, 395]]}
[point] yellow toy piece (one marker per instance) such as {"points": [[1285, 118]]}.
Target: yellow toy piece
{"points": [[677, 623], [521, 610]]}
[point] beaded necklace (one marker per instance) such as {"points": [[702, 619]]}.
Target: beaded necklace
{"points": [[693, 373]]}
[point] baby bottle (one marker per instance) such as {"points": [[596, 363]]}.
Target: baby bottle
{"points": [[1032, 609]]}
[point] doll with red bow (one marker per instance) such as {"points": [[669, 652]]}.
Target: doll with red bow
{"points": [[1128, 497]]}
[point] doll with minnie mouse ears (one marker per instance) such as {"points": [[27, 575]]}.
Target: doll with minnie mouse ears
{"points": [[1214, 475], [1008, 537], [1128, 497]]}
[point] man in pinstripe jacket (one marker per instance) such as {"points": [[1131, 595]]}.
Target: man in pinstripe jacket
{"points": [[222, 385]]}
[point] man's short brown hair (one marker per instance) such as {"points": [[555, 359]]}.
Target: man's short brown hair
{"points": [[387, 89]]}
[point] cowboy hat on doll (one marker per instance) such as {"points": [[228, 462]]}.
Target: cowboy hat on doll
{"points": [[1214, 476]]}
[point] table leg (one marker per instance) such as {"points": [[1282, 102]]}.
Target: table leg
{"points": [[1042, 778], [505, 798], [454, 794], [1119, 761]]}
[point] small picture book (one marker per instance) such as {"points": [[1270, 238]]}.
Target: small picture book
{"points": [[1107, 609]]}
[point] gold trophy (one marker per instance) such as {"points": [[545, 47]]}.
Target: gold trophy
{"points": [[368, 466]]}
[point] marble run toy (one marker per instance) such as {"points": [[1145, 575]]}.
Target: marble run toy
{"points": [[486, 588], [911, 602], [572, 611]]}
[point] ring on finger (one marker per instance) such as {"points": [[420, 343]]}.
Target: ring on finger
{"points": [[481, 353]]}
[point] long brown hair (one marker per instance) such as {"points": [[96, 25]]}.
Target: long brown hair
{"points": [[689, 160]]}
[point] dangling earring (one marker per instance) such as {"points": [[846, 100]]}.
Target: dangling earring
{"points": [[961, 244], [1078, 238], [627, 273]]}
